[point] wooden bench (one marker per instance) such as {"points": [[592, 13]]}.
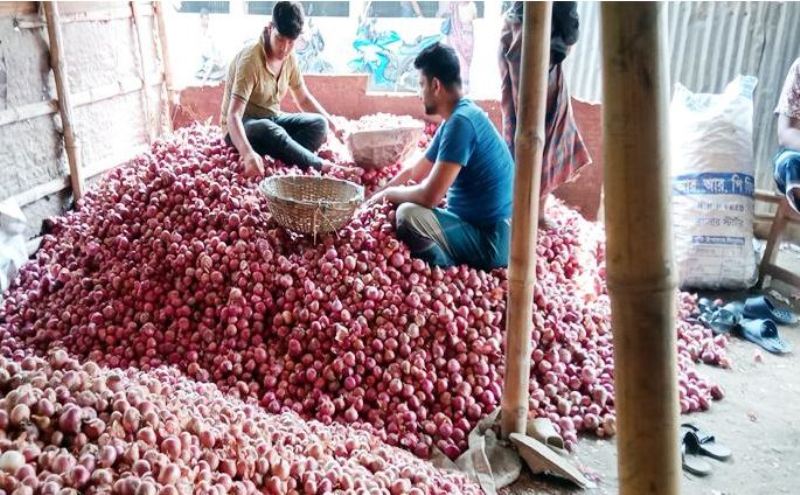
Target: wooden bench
{"points": [[768, 270]]}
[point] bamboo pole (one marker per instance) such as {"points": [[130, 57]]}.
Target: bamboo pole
{"points": [[137, 34], [641, 276], [529, 143], [71, 142], [172, 94]]}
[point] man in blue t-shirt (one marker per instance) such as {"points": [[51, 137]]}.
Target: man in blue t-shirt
{"points": [[467, 161]]}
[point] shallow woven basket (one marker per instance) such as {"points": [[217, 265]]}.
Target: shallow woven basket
{"points": [[377, 148], [311, 205]]}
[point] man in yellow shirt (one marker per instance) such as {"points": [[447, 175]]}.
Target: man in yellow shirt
{"points": [[258, 79]]}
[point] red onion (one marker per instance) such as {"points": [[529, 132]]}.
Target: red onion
{"points": [[346, 329]]}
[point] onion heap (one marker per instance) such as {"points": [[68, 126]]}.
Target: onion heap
{"points": [[173, 260], [89, 429]]}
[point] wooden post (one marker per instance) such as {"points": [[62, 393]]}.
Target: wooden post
{"points": [[137, 34], [529, 143], [59, 65], [172, 95], [641, 274]]}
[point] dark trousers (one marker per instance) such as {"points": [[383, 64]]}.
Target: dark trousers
{"points": [[787, 174], [290, 137], [442, 238]]}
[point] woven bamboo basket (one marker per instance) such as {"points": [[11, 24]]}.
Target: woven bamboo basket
{"points": [[311, 205], [377, 148]]}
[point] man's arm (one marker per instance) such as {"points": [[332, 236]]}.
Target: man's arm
{"points": [[307, 103], [416, 172], [253, 164], [789, 132], [430, 191]]}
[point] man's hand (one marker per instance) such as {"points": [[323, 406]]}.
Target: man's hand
{"points": [[336, 131], [376, 198], [343, 170], [253, 164]]}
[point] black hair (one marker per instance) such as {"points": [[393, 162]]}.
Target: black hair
{"points": [[288, 19], [440, 61]]}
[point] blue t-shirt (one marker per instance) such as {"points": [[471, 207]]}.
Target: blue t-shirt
{"points": [[482, 191]]}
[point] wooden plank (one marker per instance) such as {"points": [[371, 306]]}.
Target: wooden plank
{"points": [[59, 184], [768, 196], [783, 275], [59, 66], [92, 95], [89, 7], [773, 244], [34, 20], [17, 8], [40, 191], [762, 217], [30, 111]]}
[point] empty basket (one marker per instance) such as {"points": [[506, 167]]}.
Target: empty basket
{"points": [[311, 204]]}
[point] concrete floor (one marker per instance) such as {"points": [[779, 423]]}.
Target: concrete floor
{"points": [[759, 420]]}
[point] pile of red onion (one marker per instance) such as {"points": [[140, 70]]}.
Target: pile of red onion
{"points": [[66, 425], [381, 121], [174, 260]]}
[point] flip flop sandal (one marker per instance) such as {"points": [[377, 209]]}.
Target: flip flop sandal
{"points": [[692, 462], [761, 307], [703, 443], [542, 430], [721, 321], [705, 305], [764, 333]]}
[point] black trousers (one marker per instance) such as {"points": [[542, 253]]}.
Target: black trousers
{"points": [[290, 137]]}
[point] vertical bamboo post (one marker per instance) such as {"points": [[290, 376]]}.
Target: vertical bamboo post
{"points": [[641, 276], [169, 80], [59, 66], [529, 143], [137, 35]]}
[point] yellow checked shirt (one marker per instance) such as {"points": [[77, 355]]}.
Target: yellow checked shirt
{"points": [[251, 80]]}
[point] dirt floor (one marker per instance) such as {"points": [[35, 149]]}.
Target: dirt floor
{"points": [[759, 419]]}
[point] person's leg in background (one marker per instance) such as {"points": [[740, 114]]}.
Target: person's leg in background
{"points": [[787, 176], [508, 105]]}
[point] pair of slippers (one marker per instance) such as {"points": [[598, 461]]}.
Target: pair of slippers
{"points": [[755, 320], [697, 444]]}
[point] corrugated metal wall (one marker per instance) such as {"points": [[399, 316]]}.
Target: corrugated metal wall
{"points": [[709, 44]]}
